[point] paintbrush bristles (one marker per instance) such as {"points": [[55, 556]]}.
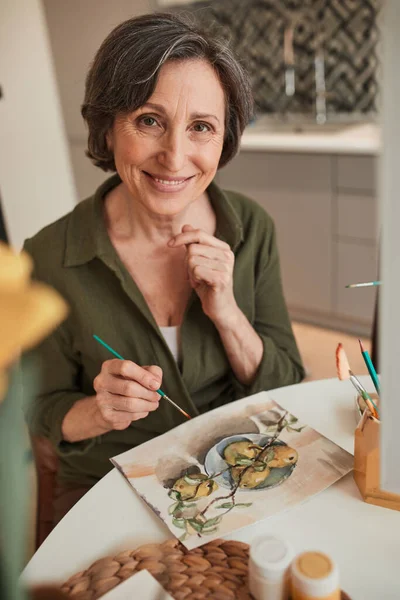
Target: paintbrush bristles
{"points": [[342, 363], [168, 399]]}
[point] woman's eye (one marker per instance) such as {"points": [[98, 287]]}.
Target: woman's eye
{"points": [[148, 121], [201, 127]]}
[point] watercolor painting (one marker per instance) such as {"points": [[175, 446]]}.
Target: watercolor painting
{"points": [[232, 467]]}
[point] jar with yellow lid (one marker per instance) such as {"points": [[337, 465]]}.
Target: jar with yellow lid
{"points": [[314, 576]]}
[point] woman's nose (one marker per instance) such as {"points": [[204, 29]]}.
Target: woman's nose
{"points": [[173, 154]]}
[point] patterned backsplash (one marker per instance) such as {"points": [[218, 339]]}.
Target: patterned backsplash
{"points": [[343, 34]]}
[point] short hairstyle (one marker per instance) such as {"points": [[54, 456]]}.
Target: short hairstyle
{"points": [[125, 70]]}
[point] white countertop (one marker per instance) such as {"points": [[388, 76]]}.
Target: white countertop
{"points": [[362, 538], [362, 139]]}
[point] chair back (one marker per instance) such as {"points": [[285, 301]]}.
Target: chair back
{"points": [[46, 462]]}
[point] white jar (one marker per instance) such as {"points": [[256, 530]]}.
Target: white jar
{"points": [[270, 558], [314, 575]]}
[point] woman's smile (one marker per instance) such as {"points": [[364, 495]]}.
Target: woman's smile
{"points": [[166, 184]]}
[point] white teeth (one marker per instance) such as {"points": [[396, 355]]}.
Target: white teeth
{"points": [[165, 182]]}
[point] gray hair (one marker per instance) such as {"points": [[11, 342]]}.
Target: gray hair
{"points": [[125, 70]]}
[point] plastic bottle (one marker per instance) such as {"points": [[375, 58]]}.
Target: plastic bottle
{"points": [[314, 575], [269, 564]]}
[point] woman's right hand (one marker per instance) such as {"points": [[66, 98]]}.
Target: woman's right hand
{"points": [[125, 392]]}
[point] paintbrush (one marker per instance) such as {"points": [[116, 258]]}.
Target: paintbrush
{"points": [[344, 372], [370, 367], [366, 284], [364, 394], [162, 394]]}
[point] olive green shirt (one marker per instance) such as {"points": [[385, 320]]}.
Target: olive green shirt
{"points": [[75, 256]]}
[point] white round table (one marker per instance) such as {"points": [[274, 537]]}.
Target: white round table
{"points": [[363, 539]]}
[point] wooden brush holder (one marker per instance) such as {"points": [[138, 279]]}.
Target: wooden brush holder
{"points": [[367, 464]]}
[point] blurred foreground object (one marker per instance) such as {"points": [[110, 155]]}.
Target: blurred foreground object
{"points": [[28, 312]]}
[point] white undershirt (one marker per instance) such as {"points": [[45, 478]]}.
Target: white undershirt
{"points": [[171, 336]]}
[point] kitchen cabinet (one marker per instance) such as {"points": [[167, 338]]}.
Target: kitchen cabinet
{"points": [[324, 208], [356, 238]]}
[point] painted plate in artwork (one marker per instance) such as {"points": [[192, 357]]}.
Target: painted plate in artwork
{"points": [[215, 463]]}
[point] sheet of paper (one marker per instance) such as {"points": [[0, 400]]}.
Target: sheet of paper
{"points": [[142, 585], [232, 467]]}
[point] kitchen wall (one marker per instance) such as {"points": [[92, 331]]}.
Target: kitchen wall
{"points": [[36, 184], [343, 32], [76, 30]]}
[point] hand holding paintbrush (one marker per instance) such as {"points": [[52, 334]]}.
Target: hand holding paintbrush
{"points": [[147, 393], [344, 372]]}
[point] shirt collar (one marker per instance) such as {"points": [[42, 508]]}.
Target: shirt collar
{"points": [[87, 235], [229, 226]]}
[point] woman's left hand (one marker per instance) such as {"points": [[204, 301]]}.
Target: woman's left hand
{"points": [[210, 264]]}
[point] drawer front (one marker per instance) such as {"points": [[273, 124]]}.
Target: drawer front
{"points": [[357, 217], [271, 172], [356, 173]]}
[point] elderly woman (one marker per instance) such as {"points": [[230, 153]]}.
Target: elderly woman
{"points": [[180, 277]]}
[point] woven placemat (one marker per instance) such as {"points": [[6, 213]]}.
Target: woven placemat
{"points": [[217, 570]]}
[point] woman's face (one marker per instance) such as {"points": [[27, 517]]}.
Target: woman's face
{"points": [[167, 151]]}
